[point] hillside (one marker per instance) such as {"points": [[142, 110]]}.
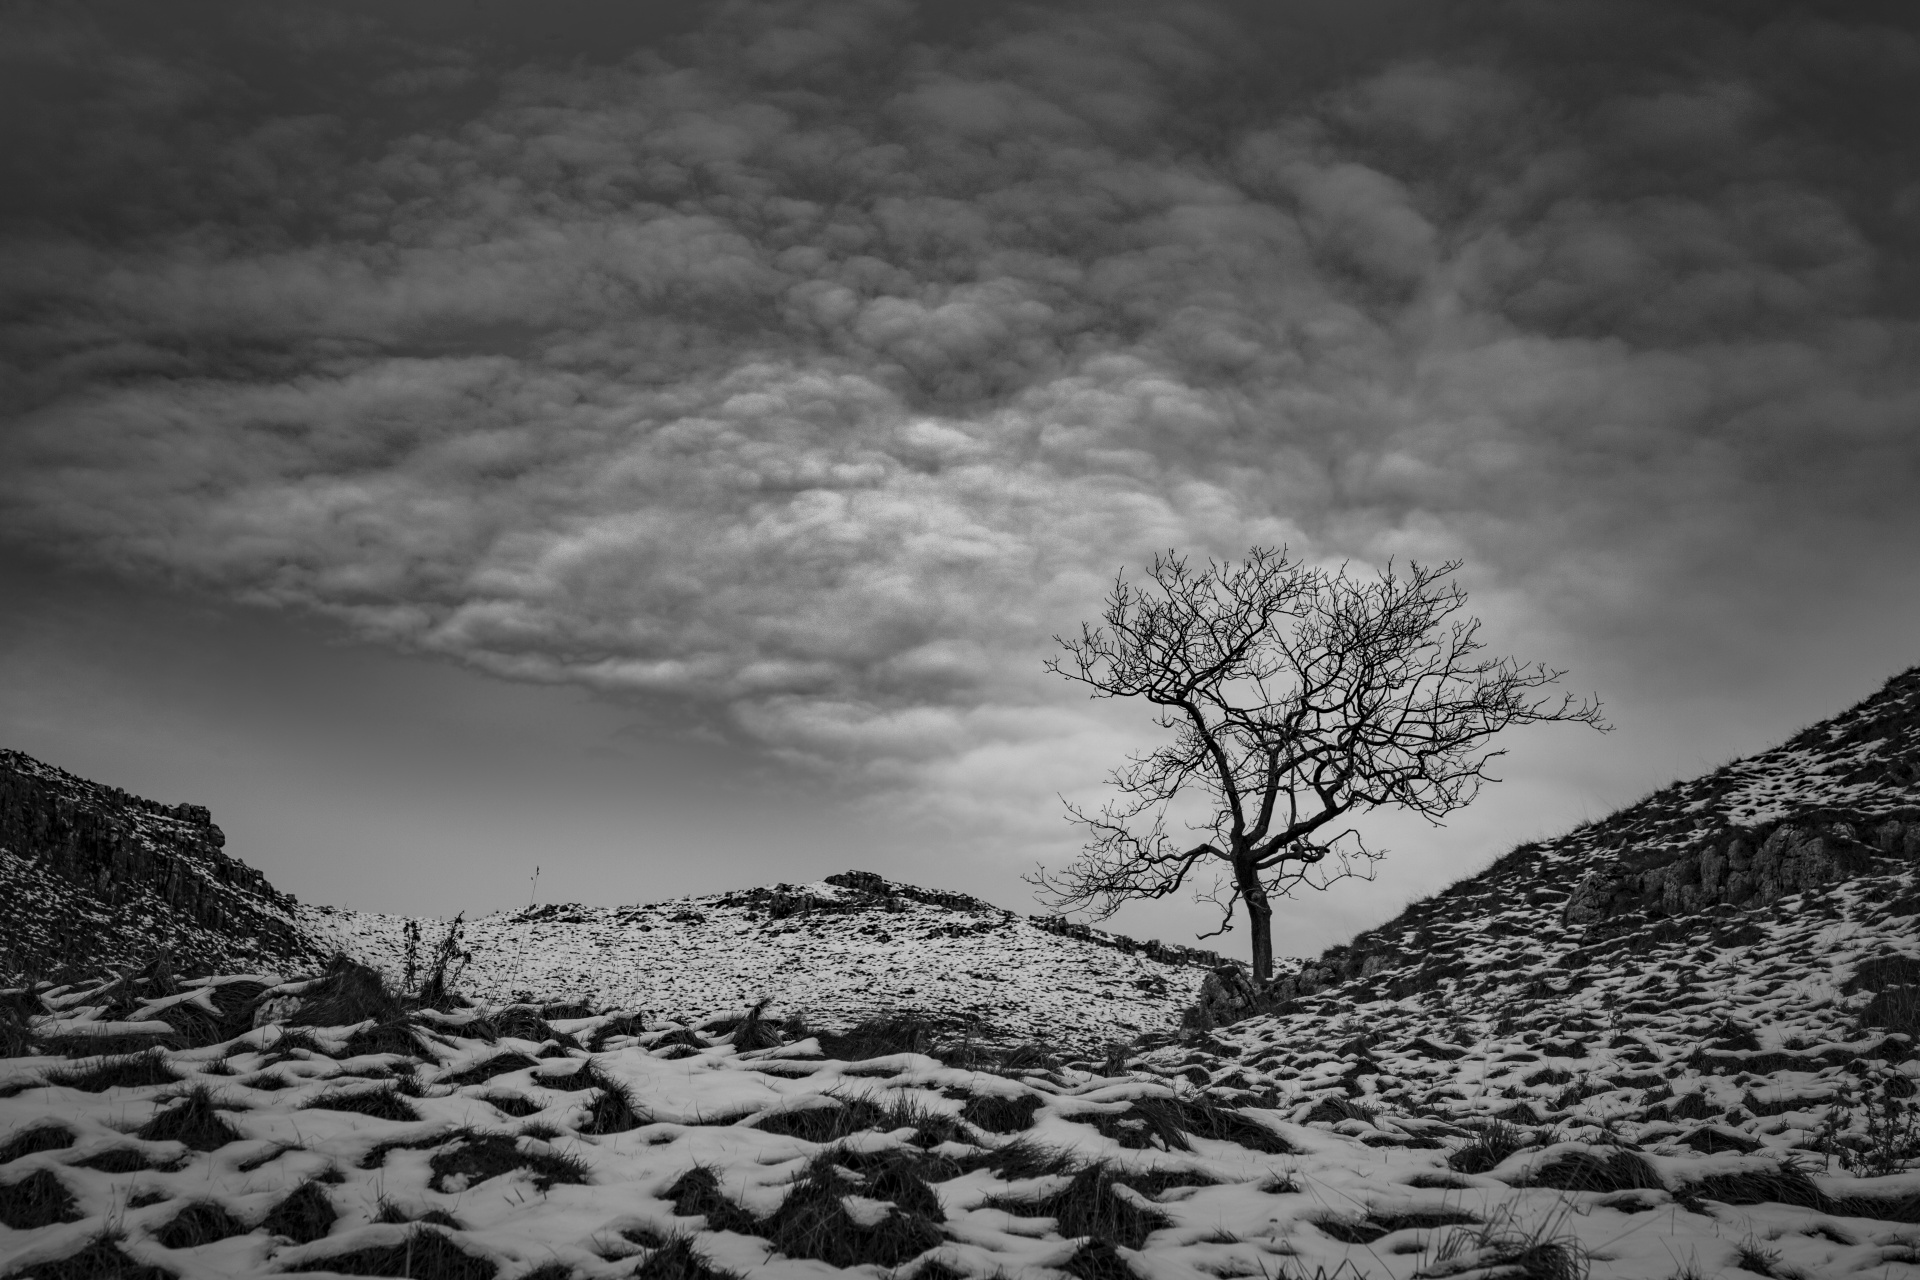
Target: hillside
{"points": [[834, 952], [1675, 1044], [1837, 802], [95, 878]]}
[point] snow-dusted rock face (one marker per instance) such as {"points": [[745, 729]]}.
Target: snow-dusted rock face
{"points": [[1839, 801], [94, 877]]}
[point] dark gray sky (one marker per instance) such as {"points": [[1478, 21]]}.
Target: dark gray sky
{"points": [[656, 443]]}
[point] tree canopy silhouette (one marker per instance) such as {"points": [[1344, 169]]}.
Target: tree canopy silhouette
{"points": [[1297, 697]]}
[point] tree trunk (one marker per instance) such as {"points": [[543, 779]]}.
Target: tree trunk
{"points": [[1259, 921]]}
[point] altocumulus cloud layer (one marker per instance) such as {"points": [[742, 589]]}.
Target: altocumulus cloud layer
{"points": [[809, 366]]}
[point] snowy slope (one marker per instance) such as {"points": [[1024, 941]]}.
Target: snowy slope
{"points": [[1676, 1043], [827, 952], [94, 878], [576, 1148]]}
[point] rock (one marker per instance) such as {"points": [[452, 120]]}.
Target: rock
{"points": [[1226, 995]]}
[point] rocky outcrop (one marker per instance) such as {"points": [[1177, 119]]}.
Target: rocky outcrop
{"points": [[94, 877], [1745, 867]]}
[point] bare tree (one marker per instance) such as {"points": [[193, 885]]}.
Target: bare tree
{"points": [[1297, 697]]}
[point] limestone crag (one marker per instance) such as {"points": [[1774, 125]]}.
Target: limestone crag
{"points": [[98, 878], [1839, 800], [1747, 867]]}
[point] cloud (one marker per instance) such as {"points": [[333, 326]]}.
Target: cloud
{"points": [[815, 369]]}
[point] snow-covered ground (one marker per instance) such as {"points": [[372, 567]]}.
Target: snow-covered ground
{"points": [[1660, 1084], [1667, 1110], [827, 953]]}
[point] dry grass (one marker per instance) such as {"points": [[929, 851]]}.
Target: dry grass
{"points": [[193, 1121], [130, 1072], [51, 1136], [305, 1215], [813, 1222], [425, 1254], [201, 1222], [100, 1259], [476, 1157], [38, 1200]]}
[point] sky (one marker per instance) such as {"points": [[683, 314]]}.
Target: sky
{"points": [[657, 445]]}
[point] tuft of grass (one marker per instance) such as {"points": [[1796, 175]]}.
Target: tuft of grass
{"points": [[112, 1046], [517, 1105], [902, 1110], [426, 1254], [477, 1157], [51, 1136], [119, 1160], [194, 1027], [1089, 1206], [349, 992], [1021, 1158], [236, 1002], [377, 1153], [1142, 1122], [840, 1118], [903, 1032], [524, 1022], [614, 1108], [16, 1041], [306, 1214], [1098, 1260], [1491, 1143], [1749, 1255], [1032, 1056], [1434, 1181], [393, 1215], [1204, 1116], [131, 1072], [201, 1222], [997, 1113], [1376, 1224], [677, 1259], [389, 1036], [1784, 1183], [100, 1259], [754, 1032], [1500, 1248], [481, 1072], [38, 1200], [193, 1120], [1334, 1109], [1585, 1171], [900, 1176], [292, 1044], [697, 1194], [620, 1024], [813, 1222], [381, 1104]]}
